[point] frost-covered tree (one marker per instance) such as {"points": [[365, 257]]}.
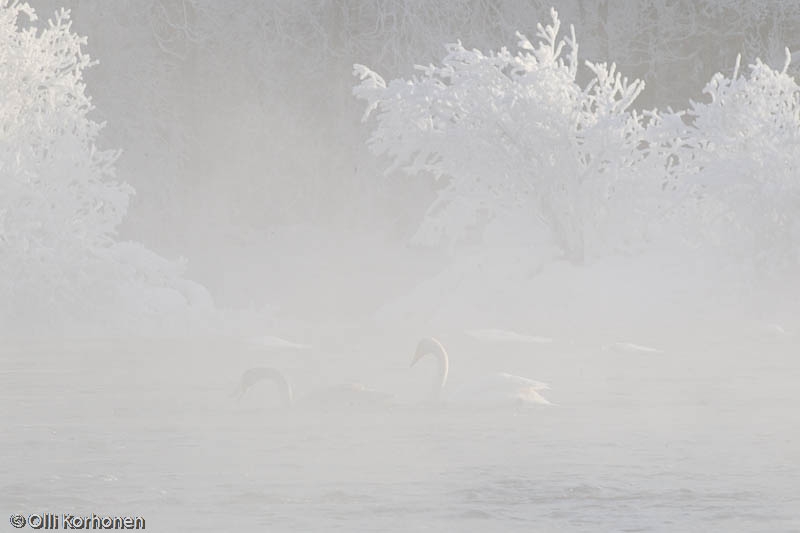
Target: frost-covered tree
{"points": [[747, 161], [60, 262], [516, 133]]}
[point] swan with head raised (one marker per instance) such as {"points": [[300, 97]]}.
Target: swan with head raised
{"points": [[496, 389]]}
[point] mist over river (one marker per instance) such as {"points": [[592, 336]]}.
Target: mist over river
{"points": [[662, 444]]}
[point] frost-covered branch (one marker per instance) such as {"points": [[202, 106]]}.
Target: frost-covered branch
{"points": [[514, 132], [59, 203]]}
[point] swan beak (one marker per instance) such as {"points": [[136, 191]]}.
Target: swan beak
{"points": [[238, 393], [417, 356]]}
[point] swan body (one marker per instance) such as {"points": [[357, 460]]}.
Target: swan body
{"points": [[500, 388], [271, 342], [630, 347], [502, 335], [353, 395], [495, 390], [345, 395]]}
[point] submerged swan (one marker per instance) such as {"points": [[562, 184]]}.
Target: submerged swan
{"points": [[251, 376], [343, 395], [494, 390]]}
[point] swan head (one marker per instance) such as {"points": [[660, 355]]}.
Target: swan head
{"points": [[427, 346]]}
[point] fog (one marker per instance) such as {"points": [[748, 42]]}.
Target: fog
{"points": [[391, 266]]}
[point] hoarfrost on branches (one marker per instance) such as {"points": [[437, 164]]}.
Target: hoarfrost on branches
{"points": [[59, 204], [510, 133], [515, 135], [748, 158]]}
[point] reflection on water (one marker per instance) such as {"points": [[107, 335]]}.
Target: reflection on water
{"points": [[640, 450]]}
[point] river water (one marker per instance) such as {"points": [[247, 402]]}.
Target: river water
{"points": [[636, 443]]}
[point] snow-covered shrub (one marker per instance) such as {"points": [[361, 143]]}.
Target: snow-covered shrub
{"points": [[747, 160], [59, 205], [516, 133]]}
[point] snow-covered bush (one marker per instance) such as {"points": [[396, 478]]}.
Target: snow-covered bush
{"points": [[747, 160], [60, 264], [516, 133]]}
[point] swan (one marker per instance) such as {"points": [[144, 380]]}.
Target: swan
{"points": [[503, 335], [270, 342], [494, 390], [346, 395], [251, 376], [630, 347]]}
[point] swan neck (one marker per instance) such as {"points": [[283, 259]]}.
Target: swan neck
{"points": [[289, 398], [285, 385], [444, 366]]}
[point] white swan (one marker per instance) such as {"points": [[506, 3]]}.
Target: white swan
{"points": [[251, 376], [504, 335], [630, 347], [345, 395], [270, 342], [494, 390]]}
